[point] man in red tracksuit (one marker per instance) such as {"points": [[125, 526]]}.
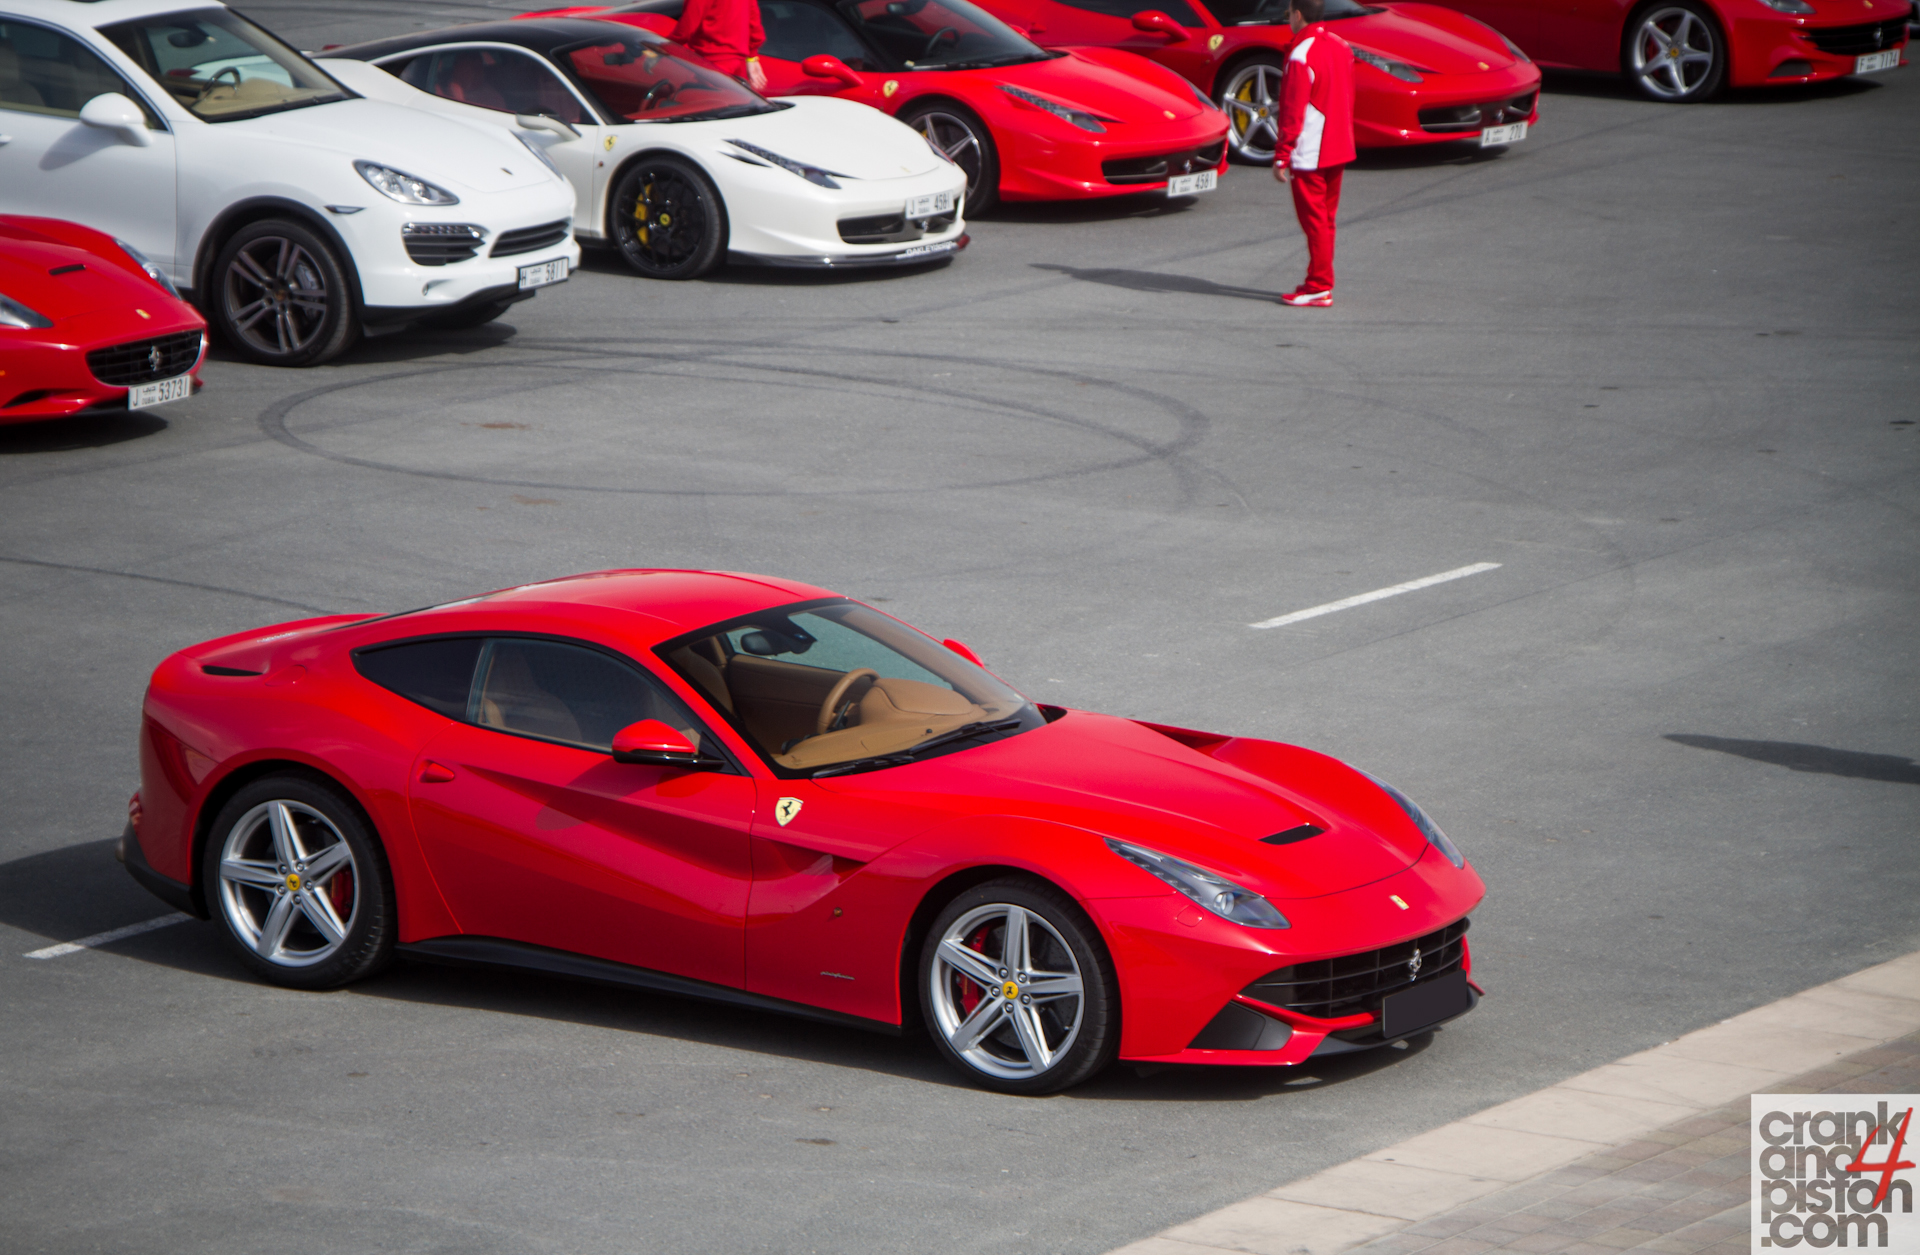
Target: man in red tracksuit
{"points": [[1316, 140], [728, 34]]}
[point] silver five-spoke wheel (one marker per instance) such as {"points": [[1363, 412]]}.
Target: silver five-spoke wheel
{"points": [[965, 141], [288, 884], [1251, 100], [1674, 53]]}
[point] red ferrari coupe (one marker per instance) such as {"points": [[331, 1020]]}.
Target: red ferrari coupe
{"points": [[1427, 75], [1682, 50], [752, 790], [88, 325], [1024, 123]]}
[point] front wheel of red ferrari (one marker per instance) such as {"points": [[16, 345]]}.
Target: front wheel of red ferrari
{"points": [[1674, 52], [964, 140], [1250, 97], [1017, 990], [299, 884]]}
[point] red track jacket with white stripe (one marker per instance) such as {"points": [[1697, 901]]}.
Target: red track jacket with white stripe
{"points": [[725, 32], [1316, 102]]}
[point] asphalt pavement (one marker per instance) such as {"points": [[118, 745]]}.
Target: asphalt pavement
{"points": [[1658, 363]]}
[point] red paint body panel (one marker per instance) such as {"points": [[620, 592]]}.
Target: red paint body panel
{"points": [[495, 834]]}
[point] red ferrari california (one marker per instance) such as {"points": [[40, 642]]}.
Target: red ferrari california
{"points": [[1022, 122], [751, 790], [1427, 75], [88, 325]]}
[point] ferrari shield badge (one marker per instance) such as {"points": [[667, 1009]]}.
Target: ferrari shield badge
{"points": [[889, 87], [1213, 44], [785, 809]]}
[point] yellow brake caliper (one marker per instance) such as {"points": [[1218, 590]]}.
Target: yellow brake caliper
{"points": [[640, 212]]}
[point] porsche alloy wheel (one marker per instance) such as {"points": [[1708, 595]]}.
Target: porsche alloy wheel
{"points": [[1251, 101], [303, 891], [965, 141], [668, 219], [1674, 53], [1017, 990], [280, 295]]}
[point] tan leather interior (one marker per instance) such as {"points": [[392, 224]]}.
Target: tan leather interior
{"points": [[511, 698]]}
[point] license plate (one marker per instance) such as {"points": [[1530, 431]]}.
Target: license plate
{"points": [[546, 272], [146, 395], [929, 205], [1193, 184], [1494, 136], [1890, 59], [1423, 1006]]}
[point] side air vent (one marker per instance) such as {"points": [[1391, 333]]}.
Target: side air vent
{"points": [[210, 669], [1294, 834]]}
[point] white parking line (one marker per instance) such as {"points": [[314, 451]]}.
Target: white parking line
{"points": [[1347, 603], [101, 939]]}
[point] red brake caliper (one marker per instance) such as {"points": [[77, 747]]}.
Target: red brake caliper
{"points": [[340, 892], [970, 993]]}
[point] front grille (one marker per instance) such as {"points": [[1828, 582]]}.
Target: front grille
{"points": [[144, 361], [1448, 119], [1330, 988], [527, 239], [1164, 166], [893, 228], [442, 243], [1852, 41]]}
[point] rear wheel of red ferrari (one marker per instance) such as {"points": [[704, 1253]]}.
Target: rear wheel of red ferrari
{"points": [[1017, 990], [299, 884], [965, 140], [1674, 52], [1250, 97]]}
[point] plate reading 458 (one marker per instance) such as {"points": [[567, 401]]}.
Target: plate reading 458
{"points": [[930, 204], [1192, 184]]}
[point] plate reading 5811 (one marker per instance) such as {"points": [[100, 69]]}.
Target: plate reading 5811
{"points": [[546, 272]]}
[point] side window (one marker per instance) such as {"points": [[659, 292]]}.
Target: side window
{"points": [[1251, 12], [797, 30], [44, 71], [1178, 10], [567, 693], [437, 674], [494, 78]]}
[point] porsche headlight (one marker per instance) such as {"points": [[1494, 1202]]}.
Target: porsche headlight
{"points": [[1386, 65], [154, 272], [1213, 891], [14, 314], [1424, 822], [1066, 113], [540, 153], [1778, 4], [812, 174], [403, 187]]}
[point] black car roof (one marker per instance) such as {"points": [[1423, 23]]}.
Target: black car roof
{"points": [[540, 34]]}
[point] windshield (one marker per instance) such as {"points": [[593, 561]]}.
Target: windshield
{"points": [[1274, 12], [825, 688], [221, 66], [939, 34], [633, 76]]}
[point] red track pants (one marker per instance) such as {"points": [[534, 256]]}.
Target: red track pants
{"points": [[1316, 202]]}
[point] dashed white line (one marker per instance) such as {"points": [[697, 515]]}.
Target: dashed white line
{"points": [[1347, 603], [101, 939]]}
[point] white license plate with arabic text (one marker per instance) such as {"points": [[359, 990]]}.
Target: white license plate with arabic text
{"points": [[929, 205], [146, 395], [1193, 184], [1888, 60], [1494, 136], [546, 272]]}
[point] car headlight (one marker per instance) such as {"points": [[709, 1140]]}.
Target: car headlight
{"points": [[1424, 822], [1386, 65], [1066, 113], [403, 187], [1213, 891], [154, 272], [539, 153], [812, 174], [1515, 48], [14, 314]]}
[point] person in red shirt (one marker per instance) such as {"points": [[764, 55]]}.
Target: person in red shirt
{"points": [[728, 34], [1316, 140]]}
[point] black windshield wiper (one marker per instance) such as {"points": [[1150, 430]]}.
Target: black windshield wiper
{"points": [[964, 732], [282, 107], [724, 111], [987, 63]]}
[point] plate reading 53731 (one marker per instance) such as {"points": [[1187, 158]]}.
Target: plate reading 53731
{"points": [[146, 395]]}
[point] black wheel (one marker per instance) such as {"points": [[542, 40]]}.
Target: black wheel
{"points": [[1250, 97], [299, 884], [1674, 52], [280, 295], [474, 316], [1017, 990], [967, 143], [667, 219]]}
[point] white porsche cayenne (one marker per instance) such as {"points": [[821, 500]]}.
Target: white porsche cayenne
{"points": [[292, 210], [675, 164]]}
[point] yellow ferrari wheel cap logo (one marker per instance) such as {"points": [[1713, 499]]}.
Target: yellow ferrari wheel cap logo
{"points": [[1214, 43], [891, 86], [609, 143], [293, 882], [785, 809], [1010, 990], [1397, 900]]}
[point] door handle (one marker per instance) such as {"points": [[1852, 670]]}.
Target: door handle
{"points": [[433, 773], [5, 140]]}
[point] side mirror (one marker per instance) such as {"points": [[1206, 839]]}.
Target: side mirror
{"points": [[1155, 22], [653, 742], [114, 112], [545, 122], [825, 65], [960, 648]]}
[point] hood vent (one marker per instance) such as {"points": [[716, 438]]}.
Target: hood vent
{"points": [[1293, 834]]}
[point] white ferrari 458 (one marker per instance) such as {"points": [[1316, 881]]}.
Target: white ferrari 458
{"points": [[292, 210], [674, 163]]}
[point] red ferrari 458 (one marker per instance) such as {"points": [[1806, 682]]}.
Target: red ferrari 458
{"points": [[88, 325], [1023, 122], [1426, 75], [752, 790]]}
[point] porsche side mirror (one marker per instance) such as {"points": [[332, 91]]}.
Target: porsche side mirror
{"points": [[959, 647], [826, 65], [545, 122], [114, 112], [654, 743], [1156, 22]]}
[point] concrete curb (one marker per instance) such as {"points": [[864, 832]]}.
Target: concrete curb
{"points": [[1367, 1198]]}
